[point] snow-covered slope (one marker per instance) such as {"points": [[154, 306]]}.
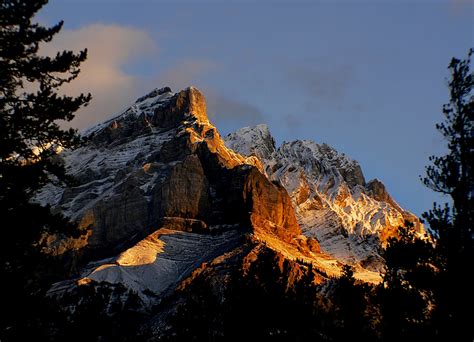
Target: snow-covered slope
{"points": [[154, 266], [350, 218]]}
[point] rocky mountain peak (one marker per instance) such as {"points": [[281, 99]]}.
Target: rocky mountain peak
{"points": [[377, 190], [159, 110], [256, 141], [156, 185], [350, 219], [154, 93]]}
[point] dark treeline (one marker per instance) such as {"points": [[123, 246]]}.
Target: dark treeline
{"points": [[30, 112], [268, 302], [426, 292]]}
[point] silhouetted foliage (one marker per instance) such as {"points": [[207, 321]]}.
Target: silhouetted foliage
{"points": [[427, 291], [272, 299], [98, 312], [452, 224], [351, 307], [406, 293], [30, 112]]}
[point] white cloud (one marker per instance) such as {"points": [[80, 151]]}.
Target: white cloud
{"points": [[110, 48]]}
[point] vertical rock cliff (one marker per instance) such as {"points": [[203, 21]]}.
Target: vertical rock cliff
{"points": [[159, 194]]}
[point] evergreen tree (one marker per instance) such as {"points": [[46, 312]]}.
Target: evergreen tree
{"points": [[406, 292], [452, 224], [350, 306], [30, 135], [99, 312], [426, 290]]}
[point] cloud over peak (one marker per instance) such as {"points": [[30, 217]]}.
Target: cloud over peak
{"points": [[110, 49]]}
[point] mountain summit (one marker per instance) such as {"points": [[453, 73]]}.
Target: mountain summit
{"points": [[162, 198], [350, 218]]}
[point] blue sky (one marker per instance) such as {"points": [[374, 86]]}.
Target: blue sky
{"points": [[366, 77]]}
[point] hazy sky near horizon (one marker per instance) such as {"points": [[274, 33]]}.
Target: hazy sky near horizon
{"points": [[366, 77]]}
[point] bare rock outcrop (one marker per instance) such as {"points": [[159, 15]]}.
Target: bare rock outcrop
{"points": [[162, 165]]}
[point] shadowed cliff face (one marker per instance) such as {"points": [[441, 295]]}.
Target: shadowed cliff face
{"points": [[161, 164]]}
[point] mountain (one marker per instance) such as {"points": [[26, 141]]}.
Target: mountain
{"points": [[351, 218], [165, 202]]}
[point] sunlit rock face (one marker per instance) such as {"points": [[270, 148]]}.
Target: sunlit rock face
{"points": [[162, 158], [350, 218], [160, 193]]}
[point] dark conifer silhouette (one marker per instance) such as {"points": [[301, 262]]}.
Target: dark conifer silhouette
{"points": [[427, 291], [351, 301], [453, 223], [406, 293], [30, 112]]}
